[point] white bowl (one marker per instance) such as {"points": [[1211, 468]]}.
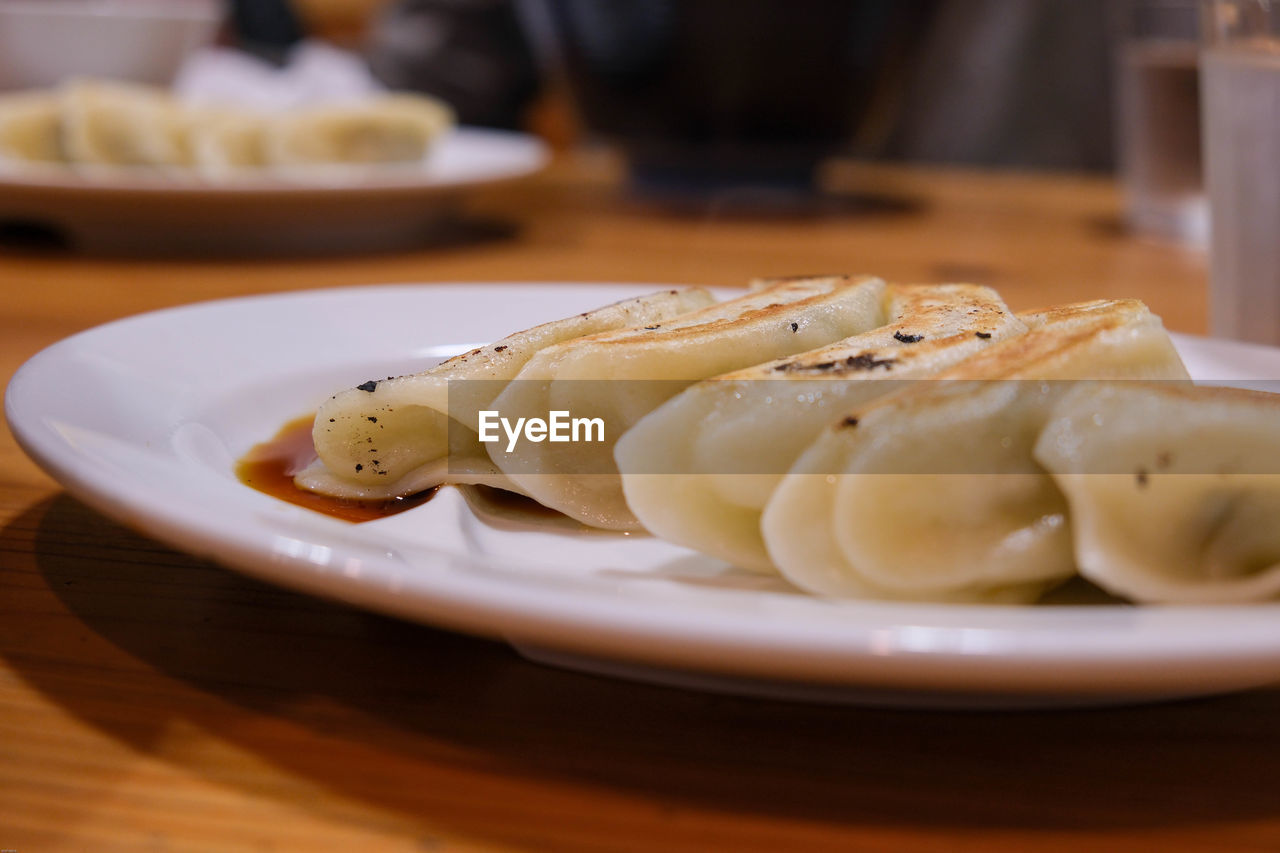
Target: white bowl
{"points": [[43, 42]]}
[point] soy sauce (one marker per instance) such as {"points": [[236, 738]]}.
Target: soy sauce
{"points": [[269, 467]]}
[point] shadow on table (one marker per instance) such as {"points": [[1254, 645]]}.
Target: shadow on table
{"points": [[41, 237], [178, 639], [764, 204]]}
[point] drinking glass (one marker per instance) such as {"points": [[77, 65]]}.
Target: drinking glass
{"points": [[1240, 64], [1158, 119]]}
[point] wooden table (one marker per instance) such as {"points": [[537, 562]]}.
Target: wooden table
{"points": [[153, 701]]}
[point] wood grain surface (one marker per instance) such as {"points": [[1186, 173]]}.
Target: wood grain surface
{"points": [[154, 701]]}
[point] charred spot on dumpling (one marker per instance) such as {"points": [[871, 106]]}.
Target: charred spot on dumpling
{"points": [[359, 467], [983, 335], [499, 348], [850, 421], [868, 361], [907, 339], [795, 327], [651, 328], [863, 361], [368, 386], [371, 419]]}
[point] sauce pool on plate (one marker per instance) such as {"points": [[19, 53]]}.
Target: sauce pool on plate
{"points": [[269, 467]]}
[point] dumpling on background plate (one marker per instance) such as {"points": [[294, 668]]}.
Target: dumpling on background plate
{"points": [[107, 123], [699, 470], [225, 141], [397, 128], [934, 493], [30, 128], [1174, 492], [393, 437], [619, 377]]}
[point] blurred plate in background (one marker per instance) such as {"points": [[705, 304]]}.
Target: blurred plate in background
{"points": [[324, 210]]}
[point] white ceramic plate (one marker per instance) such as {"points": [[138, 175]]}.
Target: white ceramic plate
{"points": [[144, 418], [306, 210]]}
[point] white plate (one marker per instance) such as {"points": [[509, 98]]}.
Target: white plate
{"points": [[308, 210], [143, 419]]}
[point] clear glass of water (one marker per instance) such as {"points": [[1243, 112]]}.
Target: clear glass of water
{"points": [[1240, 64], [1158, 119]]}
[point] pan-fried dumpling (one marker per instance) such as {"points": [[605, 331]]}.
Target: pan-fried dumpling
{"points": [[30, 128], [393, 437], [122, 124], [699, 470], [389, 129], [620, 377], [933, 493], [1174, 491]]}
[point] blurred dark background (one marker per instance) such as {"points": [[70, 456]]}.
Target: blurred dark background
{"points": [[1023, 84]]}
